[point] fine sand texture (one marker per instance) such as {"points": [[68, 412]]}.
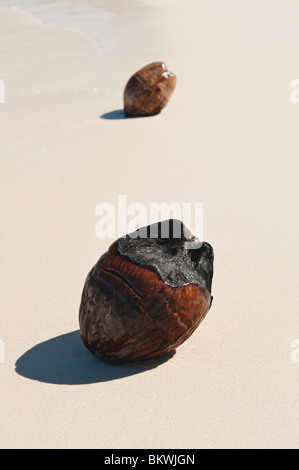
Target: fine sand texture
{"points": [[228, 139]]}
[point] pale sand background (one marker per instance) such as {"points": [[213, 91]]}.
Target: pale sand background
{"points": [[228, 138]]}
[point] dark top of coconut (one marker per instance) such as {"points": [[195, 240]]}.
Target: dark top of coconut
{"points": [[172, 252]]}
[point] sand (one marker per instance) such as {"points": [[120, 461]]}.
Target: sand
{"points": [[229, 139]]}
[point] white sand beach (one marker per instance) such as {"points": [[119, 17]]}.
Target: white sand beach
{"points": [[228, 139]]}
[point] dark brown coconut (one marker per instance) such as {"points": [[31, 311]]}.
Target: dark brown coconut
{"points": [[147, 294], [148, 90]]}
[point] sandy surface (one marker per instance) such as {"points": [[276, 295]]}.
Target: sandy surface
{"points": [[229, 139]]}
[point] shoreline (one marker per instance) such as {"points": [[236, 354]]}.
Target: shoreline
{"points": [[48, 23]]}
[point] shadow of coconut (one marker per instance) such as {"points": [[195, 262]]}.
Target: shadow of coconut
{"points": [[64, 360], [119, 114]]}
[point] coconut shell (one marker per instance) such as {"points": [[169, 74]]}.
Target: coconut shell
{"points": [[147, 294], [148, 90]]}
